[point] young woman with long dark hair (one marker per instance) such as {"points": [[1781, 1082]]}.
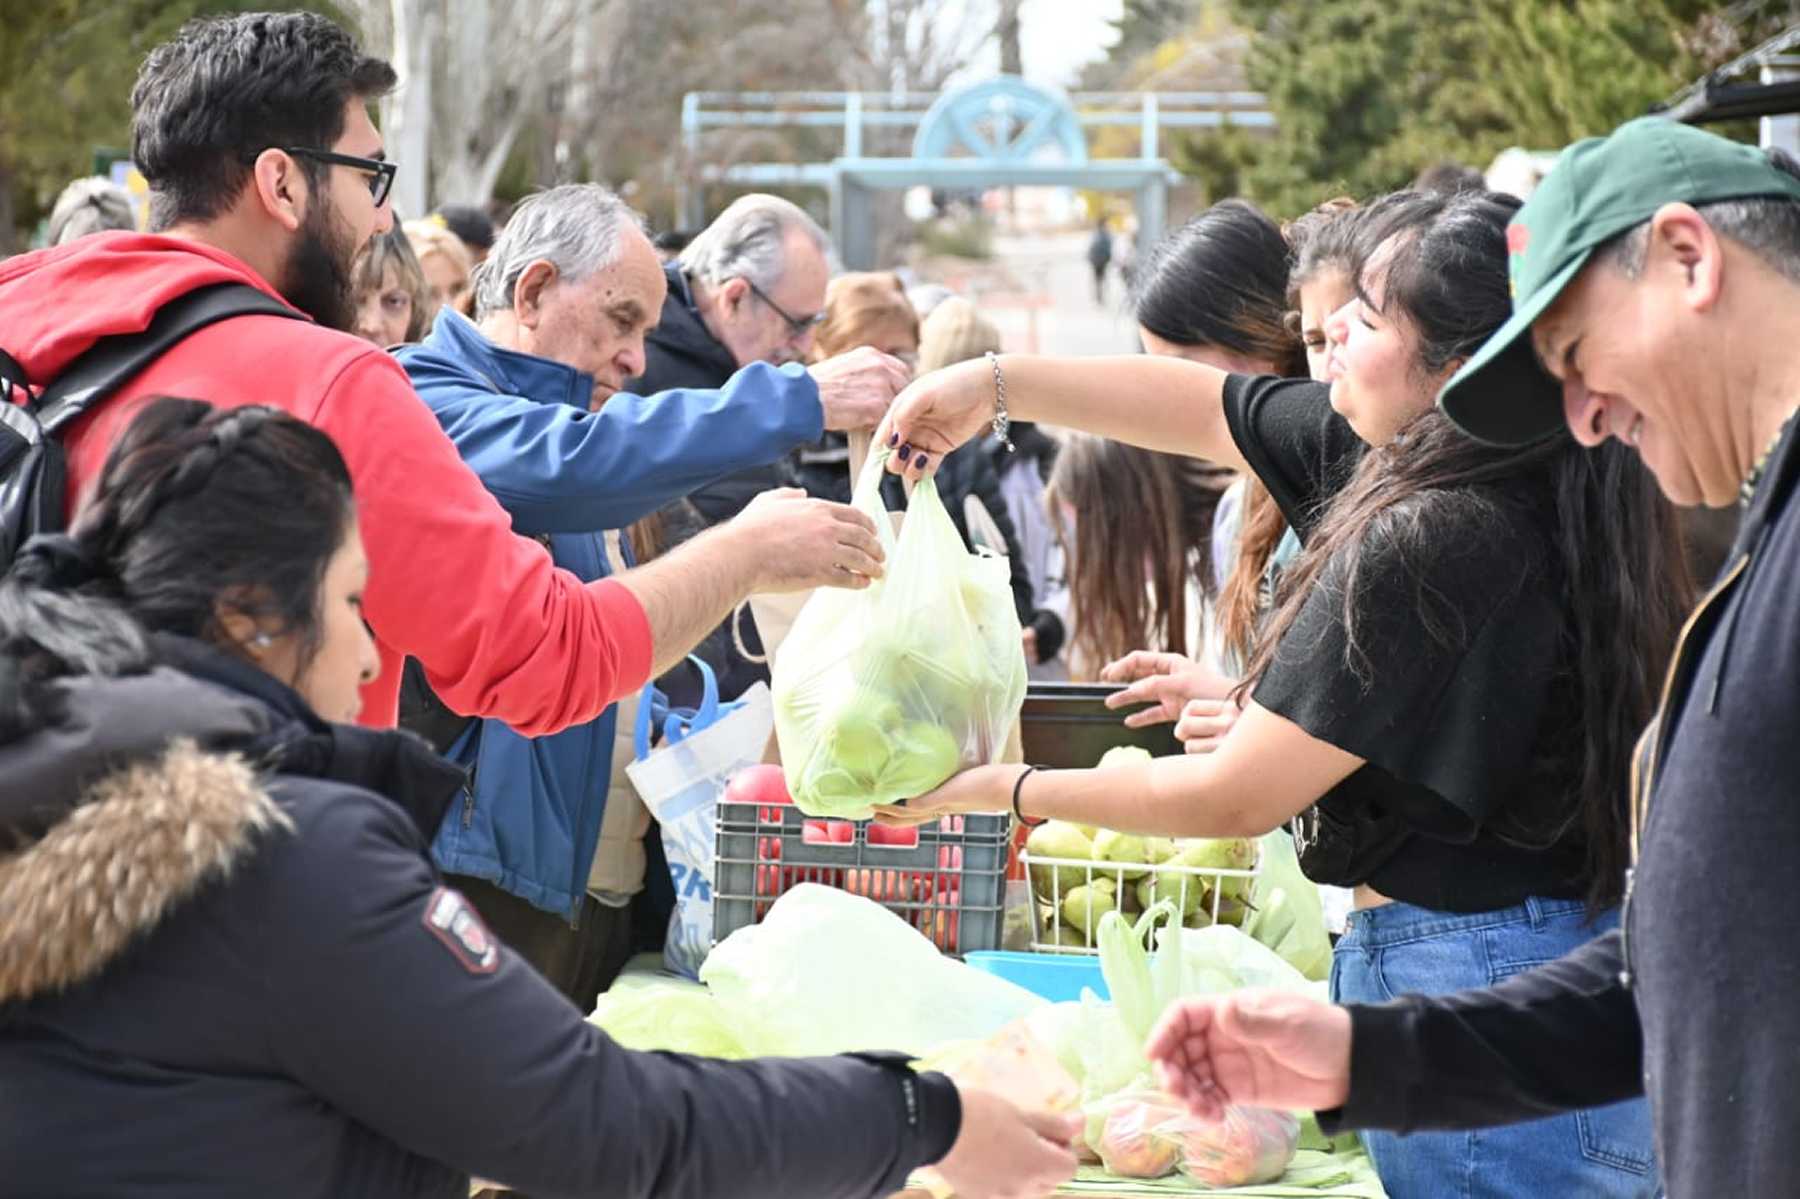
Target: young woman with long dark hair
{"points": [[1215, 292], [1136, 527], [1450, 689]]}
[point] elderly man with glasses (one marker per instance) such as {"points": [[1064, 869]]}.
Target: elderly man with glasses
{"points": [[750, 288]]}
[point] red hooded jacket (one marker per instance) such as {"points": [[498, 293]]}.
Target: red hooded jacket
{"points": [[500, 631]]}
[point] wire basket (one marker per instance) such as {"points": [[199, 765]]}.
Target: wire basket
{"points": [[1206, 895], [945, 879]]}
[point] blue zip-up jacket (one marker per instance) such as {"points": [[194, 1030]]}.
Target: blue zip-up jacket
{"points": [[531, 818]]}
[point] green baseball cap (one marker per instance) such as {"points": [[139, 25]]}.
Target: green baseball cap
{"points": [[1598, 189]]}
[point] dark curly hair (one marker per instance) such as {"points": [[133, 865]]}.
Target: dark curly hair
{"points": [[228, 88]]}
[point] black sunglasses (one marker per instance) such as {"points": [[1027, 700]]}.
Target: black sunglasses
{"points": [[381, 172], [798, 324]]}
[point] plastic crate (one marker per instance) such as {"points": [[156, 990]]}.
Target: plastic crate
{"points": [[1180, 878], [946, 879]]}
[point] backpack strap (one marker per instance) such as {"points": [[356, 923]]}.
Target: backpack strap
{"points": [[111, 362]]}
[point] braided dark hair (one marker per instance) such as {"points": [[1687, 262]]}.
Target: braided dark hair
{"points": [[197, 509]]}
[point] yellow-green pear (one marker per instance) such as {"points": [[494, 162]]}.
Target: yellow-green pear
{"points": [[1216, 853], [1083, 907], [1122, 755], [1200, 917], [1064, 936], [1058, 839], [1125, 849], [1159, 849], [1187, 890]]}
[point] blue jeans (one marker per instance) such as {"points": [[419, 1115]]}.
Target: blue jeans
{"points": [[1400, 949]]}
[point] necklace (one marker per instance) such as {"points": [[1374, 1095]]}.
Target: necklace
{"points": [[1748, 490]]}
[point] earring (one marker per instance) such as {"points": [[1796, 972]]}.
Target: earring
{"points": [[262, 641]]}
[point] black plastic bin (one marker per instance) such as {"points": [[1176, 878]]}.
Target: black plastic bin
{"points": [[1068, 726]]}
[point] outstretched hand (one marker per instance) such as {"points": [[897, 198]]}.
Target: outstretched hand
{"points": [[937, 413], [1168, 682], [1253, 1049]]}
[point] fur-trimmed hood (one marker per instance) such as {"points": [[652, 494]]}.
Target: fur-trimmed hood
{"points": [[148, 787], [142, 840]]}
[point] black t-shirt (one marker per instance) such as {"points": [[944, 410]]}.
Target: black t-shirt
{"points": [[1459, 693]]}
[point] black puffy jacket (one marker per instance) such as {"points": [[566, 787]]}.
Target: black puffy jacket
{"points": [[227, 968]]}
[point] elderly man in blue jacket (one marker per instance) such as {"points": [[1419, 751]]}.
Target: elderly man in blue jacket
{"points": [[530, 394]]}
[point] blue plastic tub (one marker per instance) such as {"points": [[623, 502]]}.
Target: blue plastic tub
{"points": [[1055, 976]]}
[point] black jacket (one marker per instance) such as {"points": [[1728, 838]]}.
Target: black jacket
{"points": [[824, 470], [1692, 1001], [681, 352], [228, 968]]}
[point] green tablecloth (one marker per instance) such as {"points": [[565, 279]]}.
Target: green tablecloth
{"points": [[1313, 1174]]}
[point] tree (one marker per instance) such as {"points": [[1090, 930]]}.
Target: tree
{"points": [[66, 69], [1367, 92]]}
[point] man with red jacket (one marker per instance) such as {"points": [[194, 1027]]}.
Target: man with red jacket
{"points": [[265, 169]]}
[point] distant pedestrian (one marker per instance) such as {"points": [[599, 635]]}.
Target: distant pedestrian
{"points": [[1099, 255]]}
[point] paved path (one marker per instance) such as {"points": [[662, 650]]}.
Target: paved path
{"points": [[1054, 310]]}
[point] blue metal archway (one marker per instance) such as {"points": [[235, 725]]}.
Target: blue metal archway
{"points": [[1001, 120], [999, 132]]}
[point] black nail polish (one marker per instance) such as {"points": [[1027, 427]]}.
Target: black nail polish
{"points": [[893, 438], [923, 460], [905, 451]]}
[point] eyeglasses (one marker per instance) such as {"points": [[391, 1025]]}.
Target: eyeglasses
{"points": [[381, 172], [798, 326]]}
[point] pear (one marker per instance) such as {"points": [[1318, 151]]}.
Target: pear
{"points": [[1158, 849], [1122, 755], [1090, 831], [1058, 839], [1216, 853], [1187, 890], [1232, 911], [1200, 917], [1063, 935], [1083, 907], [1124, 848]]}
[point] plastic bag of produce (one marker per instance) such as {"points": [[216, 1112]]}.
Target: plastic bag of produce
{"points": [[882, 694], [1131, 1143], [681, 1017], [1285, 911], [831, 972], [1219, 959], [1014, 1062], [1249, 1146]]}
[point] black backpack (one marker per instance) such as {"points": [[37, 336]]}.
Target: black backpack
{"points": [[33, 466]]}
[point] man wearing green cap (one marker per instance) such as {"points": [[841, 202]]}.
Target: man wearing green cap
{"points": [[1656, 274]]}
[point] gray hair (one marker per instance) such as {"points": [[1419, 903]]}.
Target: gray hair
{"points": [[91, 205], [1767, 226], [574, 227], [749, 241]]}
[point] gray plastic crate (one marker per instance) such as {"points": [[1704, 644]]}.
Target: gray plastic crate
{"points": [[950, 884]]}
